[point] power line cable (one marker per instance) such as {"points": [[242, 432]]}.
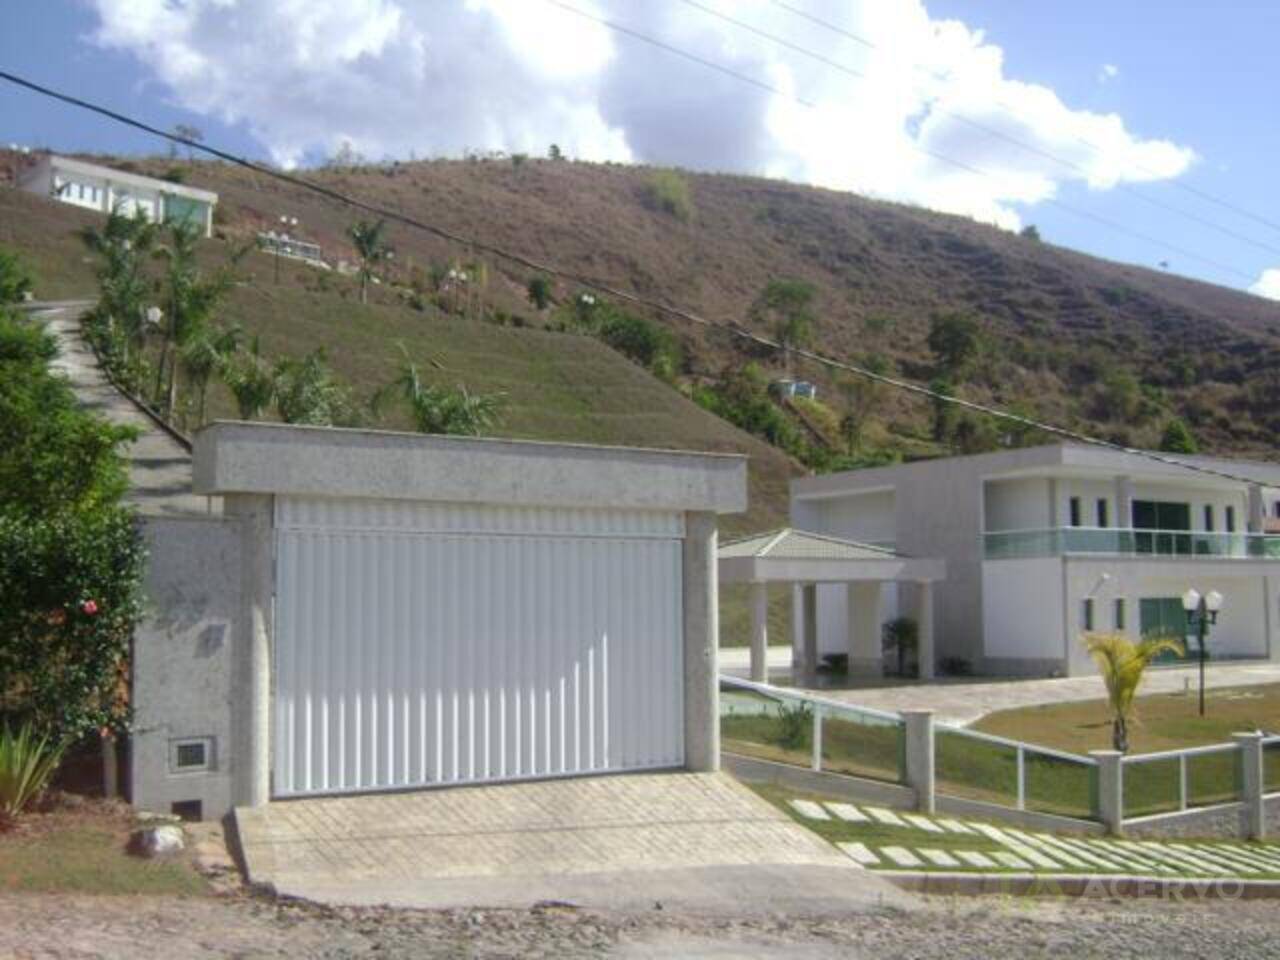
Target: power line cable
{"points": [[938, 75], [588, 282], [968, 168]]}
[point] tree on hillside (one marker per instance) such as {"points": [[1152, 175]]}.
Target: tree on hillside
{"points": [[251, 381], [540, 290], [1122, 664], [192, 299], [187, 132], [1030, 232], [204, 354], [955, 340], [945, 414], [371, 248], [437, 409], [116, 325], [863, 397], [787, 304], [1178, 438]]}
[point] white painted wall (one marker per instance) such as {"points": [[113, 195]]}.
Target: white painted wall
{"points": [[1242, 625], [1022, 608], [833, 621], [1021, 504], [868, 518]]}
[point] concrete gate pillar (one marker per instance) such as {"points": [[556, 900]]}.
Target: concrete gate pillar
{"points": [[806, 665], [251, 653], [701, 643], [866, 653]]}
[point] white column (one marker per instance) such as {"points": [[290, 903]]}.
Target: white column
{"points": [[1252, 784], [1271, 617], [1124, 503], [924, 628], [919, 757], [1257, 509], [866, 655], [809, 641], [760, 632]]}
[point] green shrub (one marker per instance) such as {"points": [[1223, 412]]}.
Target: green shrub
{"points": [[539, 291], [27, 761], [668, 192], [15, 280], [642, 340], [795, 725]]}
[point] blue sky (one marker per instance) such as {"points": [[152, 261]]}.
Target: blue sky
{"points": [[1189, 88]]}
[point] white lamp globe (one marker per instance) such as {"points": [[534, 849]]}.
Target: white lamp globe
{"points": [[1213, 601], [1191, 600]]}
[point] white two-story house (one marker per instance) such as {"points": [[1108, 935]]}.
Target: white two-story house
{"points": [[1047, 543], [105, 189]]}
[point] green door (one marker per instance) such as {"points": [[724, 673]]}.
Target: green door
{"points": [[1163, 617]]}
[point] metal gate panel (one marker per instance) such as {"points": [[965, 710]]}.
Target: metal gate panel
{"points": [[408, 658]]}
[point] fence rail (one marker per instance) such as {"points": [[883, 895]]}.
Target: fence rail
{"points": [[824, 734]]}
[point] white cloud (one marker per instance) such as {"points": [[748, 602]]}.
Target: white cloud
{"points": [[1268, 284], [396, 76], [1108, 72]]}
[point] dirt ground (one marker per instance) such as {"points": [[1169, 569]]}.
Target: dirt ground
{"points": [[67, 927]]}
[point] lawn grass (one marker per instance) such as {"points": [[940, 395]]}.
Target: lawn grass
{"points": [[83, 851], [1166, 721]]}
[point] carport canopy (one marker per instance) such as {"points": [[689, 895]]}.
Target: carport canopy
{"points": [[805, 560]]}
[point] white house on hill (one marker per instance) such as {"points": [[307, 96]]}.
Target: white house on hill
{"points": [[1044, 544], [101, 188]]}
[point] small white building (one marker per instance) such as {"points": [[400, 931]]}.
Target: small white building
{"points": [[95, 187], [1044, 544]]}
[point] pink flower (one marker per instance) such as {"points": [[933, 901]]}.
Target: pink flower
{"points": [[90, 607]]}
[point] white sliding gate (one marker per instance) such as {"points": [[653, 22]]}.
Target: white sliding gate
{"points": [[421, 644]]}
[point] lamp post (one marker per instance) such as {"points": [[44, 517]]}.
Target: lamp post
{"points": [[285, 223], [1201, 612]]}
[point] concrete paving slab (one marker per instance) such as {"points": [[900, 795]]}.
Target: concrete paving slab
{"points": [[702, 842], [859, 853], [923, 823], [938, 858], [809, 809], [902, 856], [955, 826], [976, 859], [1007, 859], [885, 815], [847, 812], [1034, 857]]}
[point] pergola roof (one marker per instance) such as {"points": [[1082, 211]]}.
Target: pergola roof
{"points": [[797, 556]]}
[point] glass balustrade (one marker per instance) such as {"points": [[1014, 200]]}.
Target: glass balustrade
{"points": [[1010, 544]]}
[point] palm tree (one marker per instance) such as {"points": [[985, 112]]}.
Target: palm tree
{"points": [[251, 381], [440, 409], [1122, 663], [307, 391], [371, 248], [122, 247], [193, 298], [206, 352]]}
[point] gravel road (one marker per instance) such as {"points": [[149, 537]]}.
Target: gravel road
{"points": [[243, 926]]}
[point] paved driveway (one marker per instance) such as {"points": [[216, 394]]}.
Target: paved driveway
{"points": [[699, 842]]}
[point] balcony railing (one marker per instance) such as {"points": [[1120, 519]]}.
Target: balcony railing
{"points": [[1114, 541]]}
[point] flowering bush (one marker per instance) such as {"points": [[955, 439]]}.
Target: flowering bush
{"points": [[71, 559]]}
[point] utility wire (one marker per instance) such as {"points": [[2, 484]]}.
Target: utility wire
{"points": [[588, 282], [933, 154], [938, 75]]}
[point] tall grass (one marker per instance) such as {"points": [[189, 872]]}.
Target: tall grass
{"points": [[27, 761]]}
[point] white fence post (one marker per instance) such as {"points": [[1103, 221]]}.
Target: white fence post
{"points": [[1022, 779], [1251, 783], [918, 731], [1110, 789], [1182, 781], [817, 737]]}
